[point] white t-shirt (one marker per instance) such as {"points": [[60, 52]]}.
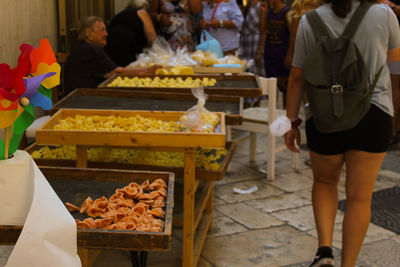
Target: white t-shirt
{"points": [[377, 33]]}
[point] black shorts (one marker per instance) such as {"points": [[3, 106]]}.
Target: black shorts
{"points": [[372, 134]]}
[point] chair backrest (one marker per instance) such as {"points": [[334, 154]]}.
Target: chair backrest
{"points": [[269, 88]]}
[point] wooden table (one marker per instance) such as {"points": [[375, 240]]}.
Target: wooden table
{"points": [[74, 184], [231, 85], [119, 99], [197, 216]]}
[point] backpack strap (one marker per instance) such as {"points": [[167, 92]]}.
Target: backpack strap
{"points": [[317, 25], [356, 19]]}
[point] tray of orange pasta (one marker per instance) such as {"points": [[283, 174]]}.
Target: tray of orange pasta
{"points": [[113, 209]]}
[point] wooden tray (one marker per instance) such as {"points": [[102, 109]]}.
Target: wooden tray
{"points": [[138, 100], [203, 174], [74, 185], [219, 69], [233, 85], [46, 135]]}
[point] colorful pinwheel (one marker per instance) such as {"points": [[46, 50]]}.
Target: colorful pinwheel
{"points": [[23, 88]]}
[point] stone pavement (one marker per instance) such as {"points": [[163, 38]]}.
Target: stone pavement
{"points": [[273, 226]]}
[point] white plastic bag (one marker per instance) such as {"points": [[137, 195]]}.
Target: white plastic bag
{"points": [[280, 126], [198, 118]]}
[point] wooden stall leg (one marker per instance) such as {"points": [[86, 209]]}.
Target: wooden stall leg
{"points": [[88, 257], [210, 203], [81, 156], [188, 209], [138, 259]]}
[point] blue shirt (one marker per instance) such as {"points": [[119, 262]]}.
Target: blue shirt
{"points": [[227, 37]]}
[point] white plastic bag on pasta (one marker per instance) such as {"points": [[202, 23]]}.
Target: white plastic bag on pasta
{"points": [[198, 118]]}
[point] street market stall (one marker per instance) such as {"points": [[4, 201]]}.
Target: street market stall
{"points": [[197, 213]]}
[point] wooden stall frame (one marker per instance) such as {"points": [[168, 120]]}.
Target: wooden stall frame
{"points": [[202, 174], [46, 135], [191, 248]]}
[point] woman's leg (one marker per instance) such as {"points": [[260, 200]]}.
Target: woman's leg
{"points": [[361, 172], [326, 171]]}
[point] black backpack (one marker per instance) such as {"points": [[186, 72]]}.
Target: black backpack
{"points": [[336, 78]]}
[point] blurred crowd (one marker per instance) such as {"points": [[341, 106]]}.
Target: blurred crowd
{"points": [[261, 32]]}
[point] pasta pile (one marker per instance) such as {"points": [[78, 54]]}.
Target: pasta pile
{"points": [[136, 124], [162, 82], [134, 207], [209, 159], [116, 124]]}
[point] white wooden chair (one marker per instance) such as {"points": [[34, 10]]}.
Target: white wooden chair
{"points": [[257, 120]]}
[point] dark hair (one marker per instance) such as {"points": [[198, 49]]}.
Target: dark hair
{"points": [[342, 7]]}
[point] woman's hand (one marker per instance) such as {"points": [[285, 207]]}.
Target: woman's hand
{"points": [[203, 23], [292, 138], [214, 23], [287, 62], [258, 56], [164, 20]]}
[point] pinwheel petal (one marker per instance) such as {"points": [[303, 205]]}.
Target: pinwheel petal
{"points": [[42, 101], [45, 68], [7, 118], [24, 64], [5, 76], [43, 54], [32, 84], [6, 104]]}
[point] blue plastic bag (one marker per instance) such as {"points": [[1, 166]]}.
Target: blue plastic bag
{"points": [[209, 43]]}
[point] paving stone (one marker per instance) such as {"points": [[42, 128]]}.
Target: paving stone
{"points": [[291, 182], [225, 226], [396, 238], [275, 246], [388, 175], [382, 253], [307, 172], [225, 192], [216, 213], [301, 218], [218, 201], [391, 162], [5, 252], [203, 263], [239, 172], [280, 202], [374, 233], [248, 216]]}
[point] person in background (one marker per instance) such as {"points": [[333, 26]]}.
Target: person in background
{"points": [[223, 19], [175, 21], [362, 148], [274, 41], [88, 64], [250, 37], [129, 32], [299, 8]]}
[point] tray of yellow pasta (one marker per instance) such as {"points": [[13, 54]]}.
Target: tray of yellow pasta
{"points": [[234, 85], [128, 128]]}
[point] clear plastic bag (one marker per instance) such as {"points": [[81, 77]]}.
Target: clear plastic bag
{"points": [[198, 118], [280, 126]]}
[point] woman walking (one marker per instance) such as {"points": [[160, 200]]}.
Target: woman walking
{"points": [[363, 147]]}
